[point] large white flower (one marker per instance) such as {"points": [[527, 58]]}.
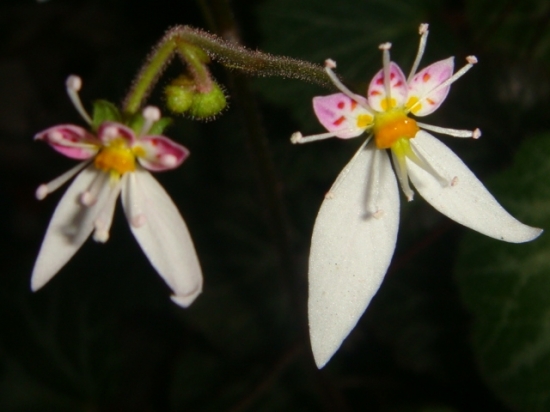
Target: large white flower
{"points": [[355, 232], [116, 162]]}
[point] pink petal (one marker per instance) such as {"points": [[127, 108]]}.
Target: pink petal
{"points": [[425, 81], [342, 115], [110, 131], [376, 93], [158, 153], [71, 141]]}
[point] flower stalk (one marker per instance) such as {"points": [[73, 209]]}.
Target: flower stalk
{"points": [[193, 45]]}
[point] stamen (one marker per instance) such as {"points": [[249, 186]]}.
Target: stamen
{"points": [[298, 138], [373, 186], [331, 64], [90, 195], [400, 165], [418, 159], [454, 181], [346, 169], [104, 219], [45, 189], [423, 31], [471, 61], [135, 215], [73, 85], [385, 47], [474, 134], [151, 114]]}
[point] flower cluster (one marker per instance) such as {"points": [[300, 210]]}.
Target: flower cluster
{"points": [[115, 161], [356, 229]]}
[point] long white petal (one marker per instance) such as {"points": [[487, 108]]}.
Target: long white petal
{"points": [[162, 234], [352, 245], [70, 226], [464, 199]]}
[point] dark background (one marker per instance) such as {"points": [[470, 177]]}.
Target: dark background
{"points": [[103, 334]]}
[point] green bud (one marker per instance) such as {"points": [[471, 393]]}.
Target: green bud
{"points": [[178, 100], [209, 104], [179, 94]]}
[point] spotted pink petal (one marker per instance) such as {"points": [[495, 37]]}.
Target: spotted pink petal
{"points": [[376, 93], [71, 141], [342, 115], [158, 153], [109, 131], [424, 82]]}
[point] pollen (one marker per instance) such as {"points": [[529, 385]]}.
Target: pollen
{"points": [[391, 126], [116, 157]]}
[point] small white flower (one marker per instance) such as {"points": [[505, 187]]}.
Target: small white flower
{"points": [[356, 229], [116, 162]]}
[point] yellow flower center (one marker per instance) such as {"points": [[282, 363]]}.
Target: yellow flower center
{"points": [[116, 158], [391, 126]]}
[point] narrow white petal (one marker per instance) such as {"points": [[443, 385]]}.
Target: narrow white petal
{"points": [[70, 226], [351, 247], [162, 235], [464, 199]]}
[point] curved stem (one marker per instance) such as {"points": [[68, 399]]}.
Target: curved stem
{"points": [[148, 75], [190, 43]]}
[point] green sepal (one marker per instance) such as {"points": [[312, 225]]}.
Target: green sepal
{"points": [[104, 111], [159, 126], [136, 121]]}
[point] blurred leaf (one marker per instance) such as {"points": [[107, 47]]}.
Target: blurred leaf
{"points": [[515, 28], [506, 287]]}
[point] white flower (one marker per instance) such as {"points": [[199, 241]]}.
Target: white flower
{"points": [[355, 232], [114, 163]]}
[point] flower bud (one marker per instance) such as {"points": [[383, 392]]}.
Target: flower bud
{"points": [[179, 94], [209, 104]]}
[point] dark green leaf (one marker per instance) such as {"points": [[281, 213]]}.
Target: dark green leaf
{"points": [[515, 28], [507, 287]]}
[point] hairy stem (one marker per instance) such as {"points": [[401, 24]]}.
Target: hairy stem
{"points": [[190, 43]]}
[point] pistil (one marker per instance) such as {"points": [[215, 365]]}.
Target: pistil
{"points": [[391, 126]]}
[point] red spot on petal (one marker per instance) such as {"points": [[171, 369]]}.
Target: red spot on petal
{"points": [[341, 105], [353, 104], [339, 121], [430, 101], [392, 75], [398, 84], [380, 80], [426, 77], [154, 142], [375, 93]]}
